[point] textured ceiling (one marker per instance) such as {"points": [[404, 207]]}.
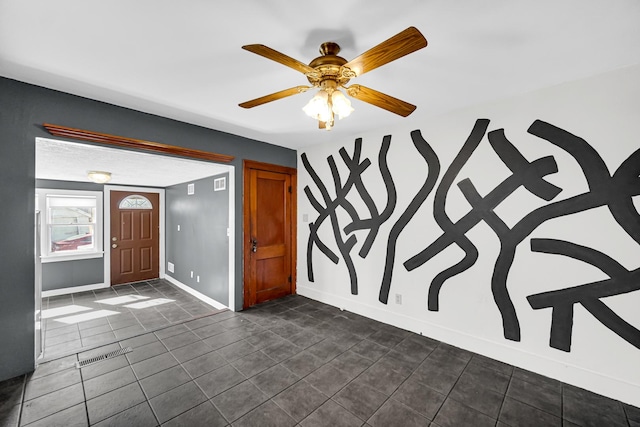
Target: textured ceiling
{"points": [[69, 161], [184, 60]]}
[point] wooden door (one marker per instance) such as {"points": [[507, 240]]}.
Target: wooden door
{"points": [[269, 232], [135, 236]]}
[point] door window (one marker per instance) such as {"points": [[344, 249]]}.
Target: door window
{"points": [[135, 201]]}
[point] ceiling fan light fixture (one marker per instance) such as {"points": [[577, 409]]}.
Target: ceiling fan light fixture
{"points": [[341, 104], [99, 177], [329, 72]]}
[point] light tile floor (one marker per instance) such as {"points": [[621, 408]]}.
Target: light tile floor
{"points": [[290, 362]]}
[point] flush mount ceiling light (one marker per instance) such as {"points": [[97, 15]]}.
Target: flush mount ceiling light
{"points": [[329, 72], [99, 177]]}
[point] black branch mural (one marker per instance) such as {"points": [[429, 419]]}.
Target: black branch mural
{"points": [[621, 281], [615, 191], [329, 210], [433, 165]]}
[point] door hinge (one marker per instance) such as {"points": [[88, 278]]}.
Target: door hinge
{"points": [[289, 189], [289, 279]]}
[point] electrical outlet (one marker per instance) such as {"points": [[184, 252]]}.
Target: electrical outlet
{"points": [[192, 278], [198, 279], [170, 267], [398, 298]]}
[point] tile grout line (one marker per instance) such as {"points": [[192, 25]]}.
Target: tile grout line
{"points": [[78, 351], [358, 376], [288, 319], [451, 389], [561, 416], [328, 398], [504, 398], [135, 290], [144, 393], [147, 399], [342, 388], [562, 402], [84, 393], [299, 379], [198, 385], [85, 349], [192, 379], [22, 395], [277, 363], [390, 396]]}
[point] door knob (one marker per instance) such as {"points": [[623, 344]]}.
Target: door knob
{"points": [[254, 245], [114, 246]]}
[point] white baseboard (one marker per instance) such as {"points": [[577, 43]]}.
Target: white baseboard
{"points": [[580, 377], [73, 290], [196, 294]]}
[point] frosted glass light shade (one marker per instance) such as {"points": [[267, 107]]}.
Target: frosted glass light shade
{"points": [[99, 177], [341, 105], [318, 108]]}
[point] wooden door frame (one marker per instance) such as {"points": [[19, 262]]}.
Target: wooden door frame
{"points": [[247, 166], [107, 226]]}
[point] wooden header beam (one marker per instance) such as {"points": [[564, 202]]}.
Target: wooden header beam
{"points": [[138, 144]]}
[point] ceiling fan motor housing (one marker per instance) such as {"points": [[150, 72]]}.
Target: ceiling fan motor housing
{"points": [[330, 71]]}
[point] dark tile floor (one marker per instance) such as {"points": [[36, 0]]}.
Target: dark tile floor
{"points": [[81, 321], [291, 362]]}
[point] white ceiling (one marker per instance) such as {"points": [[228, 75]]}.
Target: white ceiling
{"points": [[69, 161], [184, 60]]}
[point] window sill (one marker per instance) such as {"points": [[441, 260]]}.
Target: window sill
{"points": [[70, 257]]}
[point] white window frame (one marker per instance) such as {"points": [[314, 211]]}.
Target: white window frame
{"points": [[47, 256]]}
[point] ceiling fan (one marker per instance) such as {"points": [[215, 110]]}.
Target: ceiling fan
{"points": [[329, 72]]}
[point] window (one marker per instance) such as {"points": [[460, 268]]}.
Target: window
{"points": [[71, 224]]}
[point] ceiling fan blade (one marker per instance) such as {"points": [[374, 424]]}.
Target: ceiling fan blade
{"points": [[381, 100], [403, 43], [274, 55], [274, 96]]}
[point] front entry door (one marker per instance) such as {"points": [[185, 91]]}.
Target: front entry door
{"points": [[135, 236], [269, 233]]}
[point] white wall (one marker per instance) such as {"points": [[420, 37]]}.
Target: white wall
{"points": [[603, 110]]}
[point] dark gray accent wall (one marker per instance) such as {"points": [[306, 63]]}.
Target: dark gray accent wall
{"points": [[23, 110], [202, 244], [67, 274], [69, 185]]}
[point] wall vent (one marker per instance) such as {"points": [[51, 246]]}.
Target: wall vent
{"points": [[191, 189], [220, 184]]}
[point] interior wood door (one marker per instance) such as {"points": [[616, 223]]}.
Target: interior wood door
{"points": [[269, 234], [135, 236]]}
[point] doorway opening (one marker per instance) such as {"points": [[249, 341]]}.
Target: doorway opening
{"points": [[64, 164]]}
